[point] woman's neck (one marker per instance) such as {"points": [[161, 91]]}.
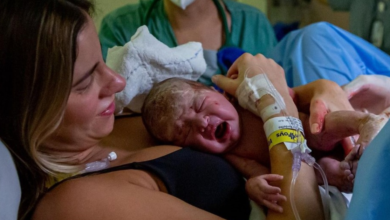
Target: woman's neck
{"points": [[77, 153], [128, 136], [200, 22]]}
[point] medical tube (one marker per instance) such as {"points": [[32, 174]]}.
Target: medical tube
{"points": [[100, 164], [326, 204], [292, 198], [298, 157]]}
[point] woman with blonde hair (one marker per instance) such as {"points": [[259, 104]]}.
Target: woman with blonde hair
{"points": [[57, 117]]}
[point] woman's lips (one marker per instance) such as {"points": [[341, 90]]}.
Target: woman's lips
{"points": [[109, 111]]}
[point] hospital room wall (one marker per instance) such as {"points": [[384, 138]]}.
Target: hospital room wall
{"points": [[105, 6]]}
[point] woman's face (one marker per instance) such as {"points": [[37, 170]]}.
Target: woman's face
{"points": [[89, 114]]}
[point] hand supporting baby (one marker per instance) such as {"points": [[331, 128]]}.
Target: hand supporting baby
{"points": [[369, 93]]}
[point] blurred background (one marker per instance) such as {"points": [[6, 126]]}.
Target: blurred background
{"points": [[284, 11]]}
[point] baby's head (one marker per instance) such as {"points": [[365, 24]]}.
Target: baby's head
{"points": [[189, 114]]}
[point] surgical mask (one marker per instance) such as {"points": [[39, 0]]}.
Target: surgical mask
{"points": [[182, 3]]}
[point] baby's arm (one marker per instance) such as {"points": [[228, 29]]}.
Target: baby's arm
{"points": [[257, 184]]}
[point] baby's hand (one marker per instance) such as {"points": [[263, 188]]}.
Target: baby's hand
{"points": [[262, 193]]}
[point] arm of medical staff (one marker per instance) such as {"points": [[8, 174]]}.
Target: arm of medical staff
{"points": [[119, 25]]}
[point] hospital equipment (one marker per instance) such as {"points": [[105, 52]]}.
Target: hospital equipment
{"points": [[100, 164]]}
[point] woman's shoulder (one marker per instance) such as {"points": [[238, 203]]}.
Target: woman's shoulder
{"points": [[126, 194], [90, 197], [69, 199]]}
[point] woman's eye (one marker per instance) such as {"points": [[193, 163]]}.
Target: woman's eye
{"points": [[86, 84]]}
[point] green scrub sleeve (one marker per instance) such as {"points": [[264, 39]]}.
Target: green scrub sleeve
{"points": [[108, 38], [116, 28]]}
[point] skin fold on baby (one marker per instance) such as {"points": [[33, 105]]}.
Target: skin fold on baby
{"points": [[188, 114]]}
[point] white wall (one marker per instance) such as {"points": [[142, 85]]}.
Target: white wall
{"points": [[105, 6]]}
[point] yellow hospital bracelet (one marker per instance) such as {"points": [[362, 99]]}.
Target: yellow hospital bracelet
{"points": [[285, 135]]}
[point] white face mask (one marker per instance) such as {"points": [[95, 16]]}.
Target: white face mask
{"points": [[182, 3]]}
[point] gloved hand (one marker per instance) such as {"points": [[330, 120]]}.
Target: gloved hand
{"points": [[369, 93]]}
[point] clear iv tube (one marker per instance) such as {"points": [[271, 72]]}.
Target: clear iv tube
{"points": [[292, 195], [327, 195]]}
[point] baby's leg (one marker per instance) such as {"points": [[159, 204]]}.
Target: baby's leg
{"points": [[342, 179], [337, 126], [368, 128], [341, 124]]}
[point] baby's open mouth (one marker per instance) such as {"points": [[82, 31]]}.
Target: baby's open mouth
{"points": [[221, 130]]}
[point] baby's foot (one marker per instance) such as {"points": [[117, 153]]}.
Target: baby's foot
{"points": [[340, 178], [349, 165]]}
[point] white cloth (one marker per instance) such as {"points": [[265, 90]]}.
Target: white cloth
{"points": [[145, 61]]}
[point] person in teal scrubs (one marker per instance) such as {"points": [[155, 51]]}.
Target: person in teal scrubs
{"points": [[369, 19], [216, 24]]}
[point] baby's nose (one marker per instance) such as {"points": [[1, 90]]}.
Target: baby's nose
{"points": [[202, 123]]}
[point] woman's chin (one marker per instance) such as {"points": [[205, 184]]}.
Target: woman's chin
{"points": [[106, 126]]}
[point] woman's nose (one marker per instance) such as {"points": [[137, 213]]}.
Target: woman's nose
{"points": [[113, 82]]}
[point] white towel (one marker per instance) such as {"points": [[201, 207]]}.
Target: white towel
{"points": [[145, 61]]}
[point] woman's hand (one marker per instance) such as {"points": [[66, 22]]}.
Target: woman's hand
{"points": [[369, 93], [249, 66]]}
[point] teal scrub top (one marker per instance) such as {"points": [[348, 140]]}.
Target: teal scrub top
{"points": [[362, 15], [250, 29]]}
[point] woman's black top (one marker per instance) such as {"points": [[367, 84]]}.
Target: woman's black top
{"points": [[203, 180]]}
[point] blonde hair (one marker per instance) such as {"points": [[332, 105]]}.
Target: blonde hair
{"points": [[38, 49]]}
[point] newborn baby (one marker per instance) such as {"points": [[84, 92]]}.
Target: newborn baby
{"points": [[189, 114]]}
